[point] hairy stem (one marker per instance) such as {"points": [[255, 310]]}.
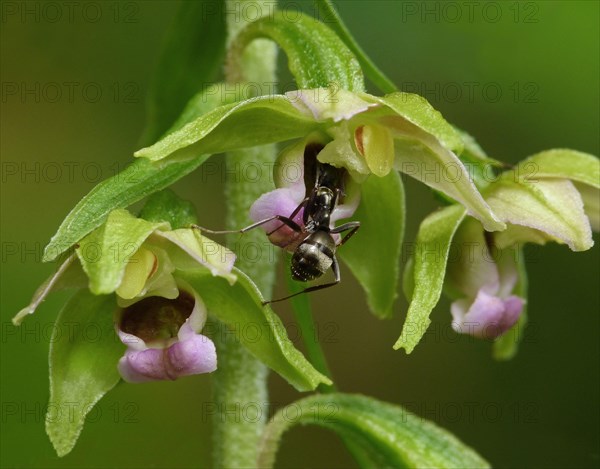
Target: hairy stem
{"points": [[241, 379]]}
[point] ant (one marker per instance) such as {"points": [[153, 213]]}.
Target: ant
{"points": [[315, 253]]}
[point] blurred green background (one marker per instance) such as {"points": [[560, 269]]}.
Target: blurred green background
{"points": [[520, 76]]}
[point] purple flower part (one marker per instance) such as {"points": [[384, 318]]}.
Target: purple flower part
{"points": [[195, 355], [281, 201], [488, 317], [290, 192], [154, 350]]}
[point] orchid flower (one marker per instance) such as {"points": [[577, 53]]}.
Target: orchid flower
{"points": [[163, 338], [363, 133], [484, 279], [539, 201], [159, 317]]}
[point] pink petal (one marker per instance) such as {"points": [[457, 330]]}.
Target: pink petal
{"points": [[513, 307], [487, 317], [193, 356], [283, 202], [189, 357]]}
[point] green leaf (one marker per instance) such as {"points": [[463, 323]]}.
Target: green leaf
{"points": [[373, 254], [561, 163], [257, 327], [167, 206], [137, 181], [105, 252], [335, 22], [83, 365], [190, 59], [505, 347], [317, 57], [258, 121], [389, 435], [430, 259], [552, 206]]}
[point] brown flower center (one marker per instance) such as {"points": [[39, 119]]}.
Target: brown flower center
{"points": [[157, 318]]}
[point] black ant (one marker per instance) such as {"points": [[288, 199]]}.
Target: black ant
{"points": [[315, 253]]}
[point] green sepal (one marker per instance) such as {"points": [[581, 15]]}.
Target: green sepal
{"points": [[552, 206], [374, 256], [418, 111], [105, 252], [505, 347], [191, 57], [166, 206], [590, 197], [480, 167], [258, 121], [317, 57], [425, 144], [138, 180], [430, 258], [256, 326], [388, 435], [472, 151], [561, 163], [211, 97], [82, 368], [68, 275], [188, 250]]}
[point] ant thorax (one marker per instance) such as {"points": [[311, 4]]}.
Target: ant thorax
{"points": [[322, 205]]}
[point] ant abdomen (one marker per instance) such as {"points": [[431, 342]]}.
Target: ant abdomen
{"points": [[313, 257]]}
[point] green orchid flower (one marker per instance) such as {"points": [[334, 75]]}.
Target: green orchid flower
{"points": [[544, 198], [363, 133], [138, 261]]}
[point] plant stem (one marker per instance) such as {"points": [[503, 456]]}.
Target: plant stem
{"points": [[241, 379]]}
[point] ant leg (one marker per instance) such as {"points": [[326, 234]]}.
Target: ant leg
{"points": [[336, 272], [291, 216], [353, 226], [284, 220]]}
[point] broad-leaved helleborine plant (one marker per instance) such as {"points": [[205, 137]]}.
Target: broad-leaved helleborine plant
{"points": [[156, 281]]}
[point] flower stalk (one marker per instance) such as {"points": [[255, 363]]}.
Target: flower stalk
{"points": [[241, 378]]}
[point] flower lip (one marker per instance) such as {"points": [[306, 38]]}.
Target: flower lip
{"points": [[488, 316], [163, 338], [156, 318]]}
